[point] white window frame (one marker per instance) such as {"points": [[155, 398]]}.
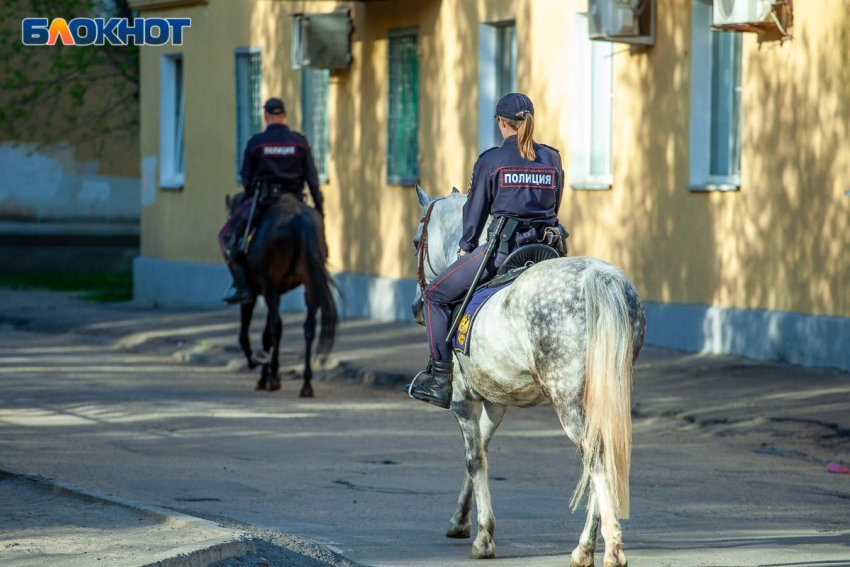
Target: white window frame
{"points": [[488, 80], [171, 123], [256, 105], [591, 108], [699, 177]]}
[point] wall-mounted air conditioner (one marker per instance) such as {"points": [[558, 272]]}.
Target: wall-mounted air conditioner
{"points": [[322, 41], [625, 21], [733, 12]]}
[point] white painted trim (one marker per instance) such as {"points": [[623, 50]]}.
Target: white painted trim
{"points": [[767, 335], [168, 283], [796, 338]]}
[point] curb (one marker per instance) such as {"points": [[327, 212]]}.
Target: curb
{"points": [[201, 554]]}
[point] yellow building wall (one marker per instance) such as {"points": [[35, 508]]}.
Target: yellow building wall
{"points": [[775, 244]]}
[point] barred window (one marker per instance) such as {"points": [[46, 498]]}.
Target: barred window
{"points": [[314, 120], [249, 105], [403, 114]]}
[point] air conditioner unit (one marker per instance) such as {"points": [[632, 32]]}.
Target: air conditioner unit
{"points": [[738, 12], [627, 21], [322, 41]]}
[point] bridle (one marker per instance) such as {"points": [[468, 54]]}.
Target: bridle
{"points": [[422, 249]]}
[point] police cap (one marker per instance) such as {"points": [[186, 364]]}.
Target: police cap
{"points": [[274, 106], [514, 106]]}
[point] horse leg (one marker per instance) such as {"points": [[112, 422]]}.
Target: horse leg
{"points": [[583, 554], [468, 414], [611, 531], [277, 333], [267, 345], [246, 312], [309, 336], [459, 526]]}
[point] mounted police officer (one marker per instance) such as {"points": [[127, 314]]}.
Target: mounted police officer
{"points": [[520, 180], [277, 162]]}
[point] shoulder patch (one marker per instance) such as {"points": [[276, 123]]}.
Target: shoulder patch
{"points": [[551, 148], [488, 151], [299, 132]]}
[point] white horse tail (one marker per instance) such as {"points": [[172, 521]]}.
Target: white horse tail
{"points": [[607, 386]]}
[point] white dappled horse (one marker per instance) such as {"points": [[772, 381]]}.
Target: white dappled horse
{"points": [[568, 331]]}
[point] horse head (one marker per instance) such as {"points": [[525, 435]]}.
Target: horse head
{"points": [[439, 231]]}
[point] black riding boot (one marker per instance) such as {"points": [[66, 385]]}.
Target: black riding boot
{"points": [[239, 291], [435, 387]]}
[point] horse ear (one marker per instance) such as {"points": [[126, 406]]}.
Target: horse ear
{"points": [[455, 190], [227, 201], [424, 199]]}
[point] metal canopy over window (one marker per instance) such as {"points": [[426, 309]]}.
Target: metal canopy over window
{"points": [[403, 114]]}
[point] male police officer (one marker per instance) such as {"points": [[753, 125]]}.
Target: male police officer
{"points": [[277, 162]]}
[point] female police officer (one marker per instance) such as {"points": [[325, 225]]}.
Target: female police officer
{"points": [[520, 180]]}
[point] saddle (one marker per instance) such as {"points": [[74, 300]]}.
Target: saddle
{"points": [[513, 267]]}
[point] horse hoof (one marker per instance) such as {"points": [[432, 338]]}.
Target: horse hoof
{"points": [[483, 549], [457, 531], [581, 559], [261, 385], [306, 393], [274, 385], [617, 559]]}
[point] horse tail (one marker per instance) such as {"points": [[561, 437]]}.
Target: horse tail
{"points": [[607, 387], [320, 285]]}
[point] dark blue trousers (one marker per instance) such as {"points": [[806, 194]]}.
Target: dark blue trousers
{"points": [[448, 288]]}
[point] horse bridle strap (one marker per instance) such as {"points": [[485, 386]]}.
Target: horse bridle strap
{"points": [[423, 247]]}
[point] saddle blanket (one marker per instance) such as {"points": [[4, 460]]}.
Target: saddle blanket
{"points": [[461, 341]]}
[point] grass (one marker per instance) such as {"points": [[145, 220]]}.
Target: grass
{"points": [[106, 288]]}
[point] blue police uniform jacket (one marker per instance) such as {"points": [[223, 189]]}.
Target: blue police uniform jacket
{"points": [[506, 184], [281, 156]]}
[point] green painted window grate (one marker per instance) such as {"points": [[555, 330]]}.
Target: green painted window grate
{"points": [[314, 120], [403, 114]]}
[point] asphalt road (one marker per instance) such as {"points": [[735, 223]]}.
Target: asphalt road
{"points": [[717, 478]]}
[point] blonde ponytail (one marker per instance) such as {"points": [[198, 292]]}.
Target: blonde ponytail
{"points": [[525, 135]]}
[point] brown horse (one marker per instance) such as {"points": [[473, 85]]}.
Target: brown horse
{"points": [[288, 249]]}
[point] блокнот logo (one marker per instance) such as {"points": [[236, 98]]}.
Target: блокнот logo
{"points": [[100, 31]]}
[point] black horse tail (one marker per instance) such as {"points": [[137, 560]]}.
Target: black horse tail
{"points": [[320, 284]]}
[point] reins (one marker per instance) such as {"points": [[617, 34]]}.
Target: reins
{"points": [[423, 248]]}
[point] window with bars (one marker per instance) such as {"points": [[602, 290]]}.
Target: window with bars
{"points": [[249, 104], [591, 101], [171, 122], [715, 137], [403, 112], [314, 120]]}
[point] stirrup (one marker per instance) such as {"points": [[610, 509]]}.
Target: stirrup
{"points": [[413, 382]]}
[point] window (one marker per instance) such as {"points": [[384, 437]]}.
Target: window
{"points": [[171, 122], [249, 109], [497, 55], [715, 160], [590, 110], [314, 118], [403, 114]]}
